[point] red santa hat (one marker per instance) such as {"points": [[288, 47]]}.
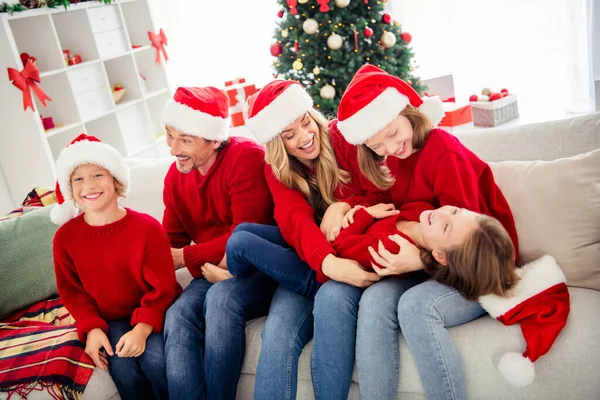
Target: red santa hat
{"points": [[83, 150], [276, 106], [199, 111], [374, 98], [540, 302]]}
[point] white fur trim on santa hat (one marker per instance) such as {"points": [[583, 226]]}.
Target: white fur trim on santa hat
{"points": [[292, 103], [519, 371], [433, 108], [194, 122], [365, 123], [63, 213], [536, 277]]}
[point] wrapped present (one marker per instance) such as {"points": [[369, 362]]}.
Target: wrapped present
{"points": [[455, 115], [496, 112], [238, 92]]}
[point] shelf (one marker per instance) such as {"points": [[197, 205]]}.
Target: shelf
{"points": [[143, 48], [125, 104], [156, 93], [75, 34], [82, 65], [53, 72], [61, 129], [138, 21], [99, 116]]}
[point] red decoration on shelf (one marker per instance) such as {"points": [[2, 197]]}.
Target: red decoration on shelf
{"points": [[159, 42], [28, 79], [276, 49], [47, 123], [292, 4], [407, 37], [26, 58], [387, 18], [76, 59], [280, 13], [324, 5], [368, 32]]}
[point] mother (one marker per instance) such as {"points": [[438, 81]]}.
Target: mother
{"points": [[423, 167], [314, 178]]}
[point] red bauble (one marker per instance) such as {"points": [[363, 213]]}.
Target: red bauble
{"points": [[473, 97], [387, 18], [495, 96], [368, 32], [276, 49], [407, 37], [280, 14], [504, 92]]}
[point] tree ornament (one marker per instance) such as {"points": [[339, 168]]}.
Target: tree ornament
{"points": [[280, 13], [296, 46], [387, 18], [486, 91], [396, 23], [373, 20], [302, 1], [276, 49], [327, 92], [388, 39], [284, 33], [484, 97], [310, 26], [407, 37], [368, 32], [316, 70], [342, 3], [335, 41], [473, 97], [504, 92], [297, 65], [292, 4], [324, 5], [355, 40], [495, 96]]}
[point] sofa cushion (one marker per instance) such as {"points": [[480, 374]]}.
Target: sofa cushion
{"points": [[26, 263], [147, 182], [556, 205]]}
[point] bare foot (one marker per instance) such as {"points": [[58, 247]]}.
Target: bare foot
{"points": [[214, 274]]}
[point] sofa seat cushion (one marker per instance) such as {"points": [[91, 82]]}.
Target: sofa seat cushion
{"points": [[483, 341]]}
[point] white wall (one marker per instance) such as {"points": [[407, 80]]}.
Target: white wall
{"points": [[595, 18], [6, 202]]}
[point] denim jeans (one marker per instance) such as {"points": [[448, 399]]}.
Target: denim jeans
{"points": [[289, 327], [205, 338], [377, 358], [335, 313], [255, 246], [142, 377]]}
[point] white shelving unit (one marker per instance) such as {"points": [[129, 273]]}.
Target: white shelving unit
{"points": [[82, 101]]}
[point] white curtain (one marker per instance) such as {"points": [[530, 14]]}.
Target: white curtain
{"points": [[537, 49], [211, 41]]}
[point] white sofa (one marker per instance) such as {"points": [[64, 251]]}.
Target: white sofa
{"points": [[571, 369]]}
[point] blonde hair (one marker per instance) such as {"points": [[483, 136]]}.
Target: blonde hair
{"points": [[119, 188], [484, 264], [317, 187], [373, 166]]}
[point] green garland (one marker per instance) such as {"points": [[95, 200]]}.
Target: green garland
{"points": [[6, 8]]}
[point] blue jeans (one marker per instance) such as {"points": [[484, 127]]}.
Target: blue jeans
{"points": [[335, 313], [205, 338], [289, 327], [142, 377], [377, 358], [255, 246]]}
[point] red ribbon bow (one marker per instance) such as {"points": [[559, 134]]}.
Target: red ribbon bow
{"points": [[324, 5], [159, 42], [292, 4], [28, 79]]}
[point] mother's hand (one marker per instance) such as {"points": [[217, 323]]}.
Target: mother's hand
{"points": [[347, 271], [331, 225], [407, 260]]}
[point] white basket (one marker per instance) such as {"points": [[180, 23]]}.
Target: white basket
{"points": [[494, 113]]}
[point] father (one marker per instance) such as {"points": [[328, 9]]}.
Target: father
{"points": [[215, 184]]}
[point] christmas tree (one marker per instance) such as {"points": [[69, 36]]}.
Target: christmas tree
{"points": [[322, 43]]}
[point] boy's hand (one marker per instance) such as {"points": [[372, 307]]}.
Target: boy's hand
{"points": [[381, 210], [97, 339], [133, 343]]}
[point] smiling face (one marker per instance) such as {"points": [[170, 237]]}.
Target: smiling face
{"points": [[396, 139], [446, 228], [94, 188], [301, 139], [192, 152]]}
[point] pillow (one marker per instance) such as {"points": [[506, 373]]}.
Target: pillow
{"points": [[147, 182], [26, 263], [556, 206]]}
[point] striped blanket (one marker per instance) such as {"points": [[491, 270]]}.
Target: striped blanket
{"points": [[38, 197], [39, 350]]}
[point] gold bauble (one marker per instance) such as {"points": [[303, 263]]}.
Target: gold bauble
{"points": [[388, 39], [302, 1], [297, 65], [335, 41], [327, 92], [316, 70], [284, 33]]}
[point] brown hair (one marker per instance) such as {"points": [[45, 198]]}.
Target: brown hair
{"points": [[317, 187], [373, 166], [483, 265]]}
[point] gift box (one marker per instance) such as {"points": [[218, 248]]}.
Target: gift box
{"points": [[76, 59], [238, 92], [455, 115], [494, 113]]}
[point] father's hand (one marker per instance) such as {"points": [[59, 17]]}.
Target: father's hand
{"points": [[178, 260]]}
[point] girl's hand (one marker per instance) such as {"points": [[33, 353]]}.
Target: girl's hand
{"points": [[347, 271], [331, 225], [97, 339], [133, 343], [349, 217], [381, 210], [407, 260]]}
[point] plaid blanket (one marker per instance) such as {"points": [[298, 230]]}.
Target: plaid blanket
{"points": [[38, 197], [39, 350]]}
